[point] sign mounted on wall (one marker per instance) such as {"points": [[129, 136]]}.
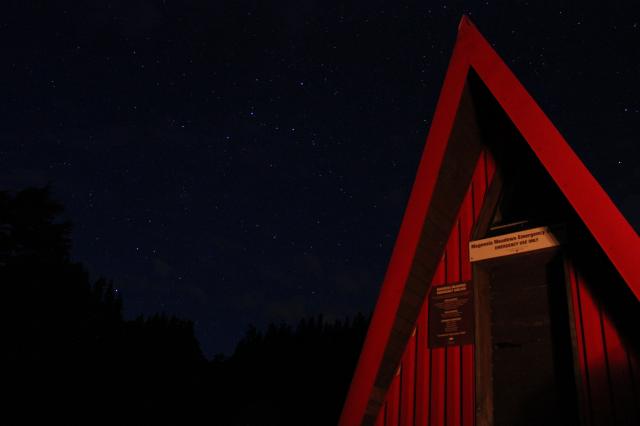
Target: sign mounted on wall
{"points": [[450, 315], [513, 243]]}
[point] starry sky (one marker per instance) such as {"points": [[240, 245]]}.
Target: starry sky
{"points": [[242, 162]]}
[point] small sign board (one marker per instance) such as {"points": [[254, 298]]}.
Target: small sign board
{"points": [[451, 315], [513, 243]]}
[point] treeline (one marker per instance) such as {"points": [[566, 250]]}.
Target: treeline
{"points": [[70, 355], [291, 375]]}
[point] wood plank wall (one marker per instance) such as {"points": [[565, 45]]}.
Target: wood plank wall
{"points": [[436, 387], [609, 371]]}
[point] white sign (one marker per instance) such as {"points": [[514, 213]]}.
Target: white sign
{"points": [[516, 242]]}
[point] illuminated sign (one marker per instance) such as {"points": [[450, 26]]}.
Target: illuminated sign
{"points": [[450, 315], [514, 243]]}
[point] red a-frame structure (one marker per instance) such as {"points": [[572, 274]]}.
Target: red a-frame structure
{"points": [[491, 156]]}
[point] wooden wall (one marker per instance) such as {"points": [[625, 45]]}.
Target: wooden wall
{"points": [[609, 371], [436, 387]]}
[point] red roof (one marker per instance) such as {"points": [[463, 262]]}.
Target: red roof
{"points": [[614, 234]]}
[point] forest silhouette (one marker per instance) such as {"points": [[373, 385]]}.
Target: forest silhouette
{"points": [[72, 358]]}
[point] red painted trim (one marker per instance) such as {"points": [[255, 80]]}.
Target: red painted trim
{"points": [[614, 234], [406, 242], [459, 397], [605, 222]]}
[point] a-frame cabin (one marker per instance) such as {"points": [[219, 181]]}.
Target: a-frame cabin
{"points": [[512, 294]]}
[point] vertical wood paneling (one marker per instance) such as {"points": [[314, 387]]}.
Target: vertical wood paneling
{"points": [[381, 416], [453, 407], [479, 185], [584, 396], [608, 388], [438, 386], [595, 354], [423, 370], [467, 382], [408, 383], [393, 401], [620, 375]]}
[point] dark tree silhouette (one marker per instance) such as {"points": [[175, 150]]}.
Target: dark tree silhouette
{"points": [[66, 345], [291, 376], [71, 357]]}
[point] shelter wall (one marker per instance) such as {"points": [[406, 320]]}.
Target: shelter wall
{"points": [[606, 354], [436, 386]]}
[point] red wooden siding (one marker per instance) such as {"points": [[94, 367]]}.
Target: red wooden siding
{"points": [[392, 407], [408, 383], [443, 388], [423, 370], [436, 387], [609, 383]]}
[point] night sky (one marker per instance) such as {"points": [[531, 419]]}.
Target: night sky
{"points": [[244, 162]]}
